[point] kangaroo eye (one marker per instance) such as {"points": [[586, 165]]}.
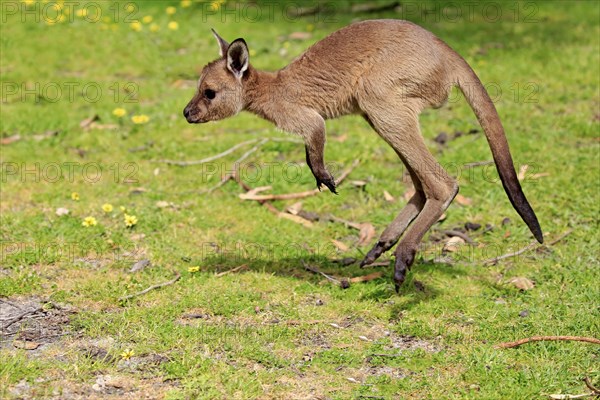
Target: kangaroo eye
{"points": [[209, 94]]}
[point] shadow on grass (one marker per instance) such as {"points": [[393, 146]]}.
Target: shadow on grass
{"points": [[381, 288]]}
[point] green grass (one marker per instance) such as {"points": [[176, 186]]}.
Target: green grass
{"points": [[263, 334]]}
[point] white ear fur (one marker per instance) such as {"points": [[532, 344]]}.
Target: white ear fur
{"points": [[223, 45], [238, 58]]}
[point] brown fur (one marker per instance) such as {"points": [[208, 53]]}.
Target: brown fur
{"points": [[388, 71]]}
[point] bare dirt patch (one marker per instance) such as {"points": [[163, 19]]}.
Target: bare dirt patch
{"points": [[30, 323]]}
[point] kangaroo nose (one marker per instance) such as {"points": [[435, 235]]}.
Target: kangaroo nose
{"points": [[186, 112]]}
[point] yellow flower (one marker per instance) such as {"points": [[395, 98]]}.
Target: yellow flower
{"points": [[252, 52], [193, 269], [28, 2], [119, 112], [89, 221], [81, 13], [130, 8], [214, 6], [75, 196], [173, 26], [171, 10], [107, 207], [123, 209], [127, 354], [186, 3], [147, 19], [310, 27], [136, 26], [154, 28], [140, 119], [130, 220]]}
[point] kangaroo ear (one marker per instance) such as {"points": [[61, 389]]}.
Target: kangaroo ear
{"points": [[237, 58], [223, 45]]}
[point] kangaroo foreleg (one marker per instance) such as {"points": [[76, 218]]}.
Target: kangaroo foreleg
{"points": [[316, 163]]}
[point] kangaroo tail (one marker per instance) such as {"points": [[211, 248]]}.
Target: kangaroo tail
{"points": [[486, 113]]}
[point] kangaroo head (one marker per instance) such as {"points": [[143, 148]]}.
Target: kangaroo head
{"points": [[220, 87]]}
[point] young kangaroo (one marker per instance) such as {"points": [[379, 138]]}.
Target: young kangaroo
{"points": [[388, 71]]}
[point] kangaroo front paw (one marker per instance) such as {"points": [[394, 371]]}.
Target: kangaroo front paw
{"points": [[326, 179]]}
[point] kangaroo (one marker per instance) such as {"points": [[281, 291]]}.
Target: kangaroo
{"points": [[387, 71]]}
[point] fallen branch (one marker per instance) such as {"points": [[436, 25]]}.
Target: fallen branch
{"points": [[508, 345], [299, 195], [526, 249], [208, 159], [271, 207], [236, 269], [157, 286]]}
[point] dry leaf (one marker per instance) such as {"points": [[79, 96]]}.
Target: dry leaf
{"points": [[366, 234], [62, 211], [340, 245], [453, 244], [88, 121], [442, 217], [295, 208], [388, 197], [140, 265], [25, 344], [299, 36], [522, 283], [156, 171], [10, 139], [462, 200], [358, 183], [522, 172]]}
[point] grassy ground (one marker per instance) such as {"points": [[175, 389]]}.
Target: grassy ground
{"points": [[275, 330]]}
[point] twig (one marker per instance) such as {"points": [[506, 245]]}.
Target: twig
{"points": [[157, 286], [236, 269], [252, 150], [343, 283], [10, 321], [207, 159], [594, 389], [271, 207], [298, 195], [508, 345], [526, 249]]}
